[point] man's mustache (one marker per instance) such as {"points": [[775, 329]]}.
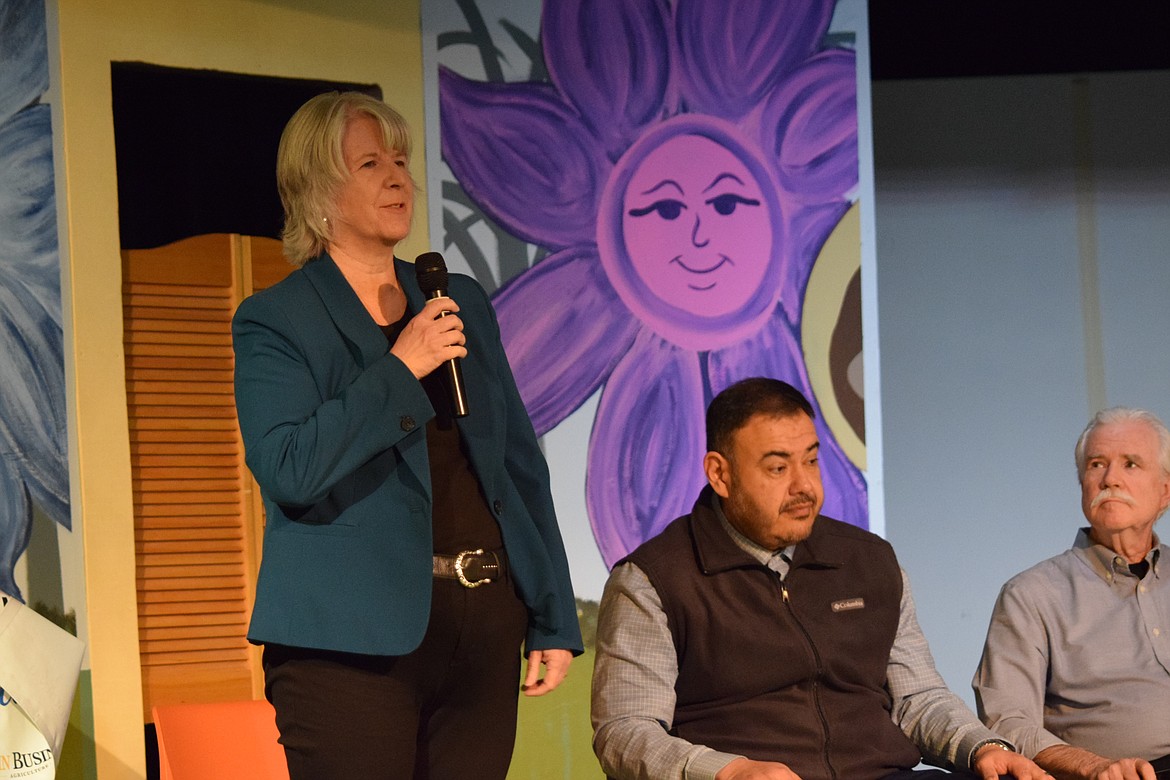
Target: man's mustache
{"points": [[799, 501], [1111, 493]]}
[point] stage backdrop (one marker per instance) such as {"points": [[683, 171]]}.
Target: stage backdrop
{"points": [[662, 198]]}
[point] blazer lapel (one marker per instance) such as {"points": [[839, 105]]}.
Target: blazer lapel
{"points": [[416, 457], [365, 338], [366, 341], [408, 281]]}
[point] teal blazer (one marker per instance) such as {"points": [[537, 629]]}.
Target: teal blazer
{"points": [[334, 431]]}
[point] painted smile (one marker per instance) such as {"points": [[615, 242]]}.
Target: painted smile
{"points": [[723, 260]]}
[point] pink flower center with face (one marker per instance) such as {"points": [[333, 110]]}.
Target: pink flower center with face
{"points": [[688, 234], [696, 228]]}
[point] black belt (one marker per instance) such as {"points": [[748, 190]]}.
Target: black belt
{"points": [[471, 567]]}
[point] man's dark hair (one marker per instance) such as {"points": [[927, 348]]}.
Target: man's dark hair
{"points": [[731, 409]]}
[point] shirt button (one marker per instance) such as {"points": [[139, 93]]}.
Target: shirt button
{"points": [[407, 422], [498, 505], [1157, 632]]}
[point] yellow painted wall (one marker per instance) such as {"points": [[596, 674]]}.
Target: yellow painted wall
{"points": [[364, 41]]}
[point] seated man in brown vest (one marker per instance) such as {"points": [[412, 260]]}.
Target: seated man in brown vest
{"points": [[754, 638]]}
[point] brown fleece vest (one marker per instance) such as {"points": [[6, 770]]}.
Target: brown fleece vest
{"points": [[790, 671]]}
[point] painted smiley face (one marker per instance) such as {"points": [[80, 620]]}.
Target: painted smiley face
{"points": [[694, 234], [695, 226]]}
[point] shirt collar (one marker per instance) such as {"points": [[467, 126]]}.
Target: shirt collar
{"points": [[1107, 563], [776, 560]]}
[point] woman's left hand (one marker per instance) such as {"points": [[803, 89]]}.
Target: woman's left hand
{"points": [[556, 665]]}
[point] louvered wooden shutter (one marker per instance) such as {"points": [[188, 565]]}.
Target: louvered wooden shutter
{"points": [[197, 518]]}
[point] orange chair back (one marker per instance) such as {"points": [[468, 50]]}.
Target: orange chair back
{"points": [[219, 741]]}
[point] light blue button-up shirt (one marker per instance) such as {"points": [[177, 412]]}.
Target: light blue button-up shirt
{"points": [[1078, 653]]}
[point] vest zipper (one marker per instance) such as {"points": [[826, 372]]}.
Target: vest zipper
{"points": [[816, 688]]}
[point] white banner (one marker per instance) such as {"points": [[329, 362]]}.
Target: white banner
{"points": [[39, 667]]}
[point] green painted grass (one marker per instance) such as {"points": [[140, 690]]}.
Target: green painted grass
{"points": [[553, 735]]}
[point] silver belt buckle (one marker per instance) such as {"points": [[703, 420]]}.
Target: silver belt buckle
{"points": [[459, 570]]}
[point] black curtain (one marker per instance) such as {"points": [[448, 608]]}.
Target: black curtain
{"points": [[196, 149]]}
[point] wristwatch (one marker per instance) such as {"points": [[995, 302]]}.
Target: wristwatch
{"points": [[983, 744]]}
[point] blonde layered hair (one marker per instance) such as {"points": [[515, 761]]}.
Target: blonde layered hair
{"points": [[310, 168]]}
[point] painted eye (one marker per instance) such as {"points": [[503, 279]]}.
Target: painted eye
{"points": [[727, 203], [668, 209]]}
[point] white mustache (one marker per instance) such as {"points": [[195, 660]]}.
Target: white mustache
{"points": [[1110, 493]]}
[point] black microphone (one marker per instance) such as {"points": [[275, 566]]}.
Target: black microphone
{"points": [[431, 273]]}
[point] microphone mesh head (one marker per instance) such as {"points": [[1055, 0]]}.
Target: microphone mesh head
{"points": [[431, 272]]}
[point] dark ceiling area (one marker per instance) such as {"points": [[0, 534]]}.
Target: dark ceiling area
{"points": [[912, 39]]}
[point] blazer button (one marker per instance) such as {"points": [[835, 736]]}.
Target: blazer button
{"points": [[498, 505], [407, 422]]}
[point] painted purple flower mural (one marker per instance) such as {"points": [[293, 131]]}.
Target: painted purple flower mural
{"points": [[683, 168], [34, 470]]}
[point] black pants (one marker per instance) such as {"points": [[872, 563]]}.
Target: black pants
{"points": [[446, 710]]}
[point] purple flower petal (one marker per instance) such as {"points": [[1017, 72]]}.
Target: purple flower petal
{"points": [[611, 60], [808, 227], [524, 157], [814, 117], [646, 451], [774, 352], [732, 56], [563, 328]]}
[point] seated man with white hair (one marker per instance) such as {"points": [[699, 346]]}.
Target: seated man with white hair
{"points": [[1076, 667]]}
